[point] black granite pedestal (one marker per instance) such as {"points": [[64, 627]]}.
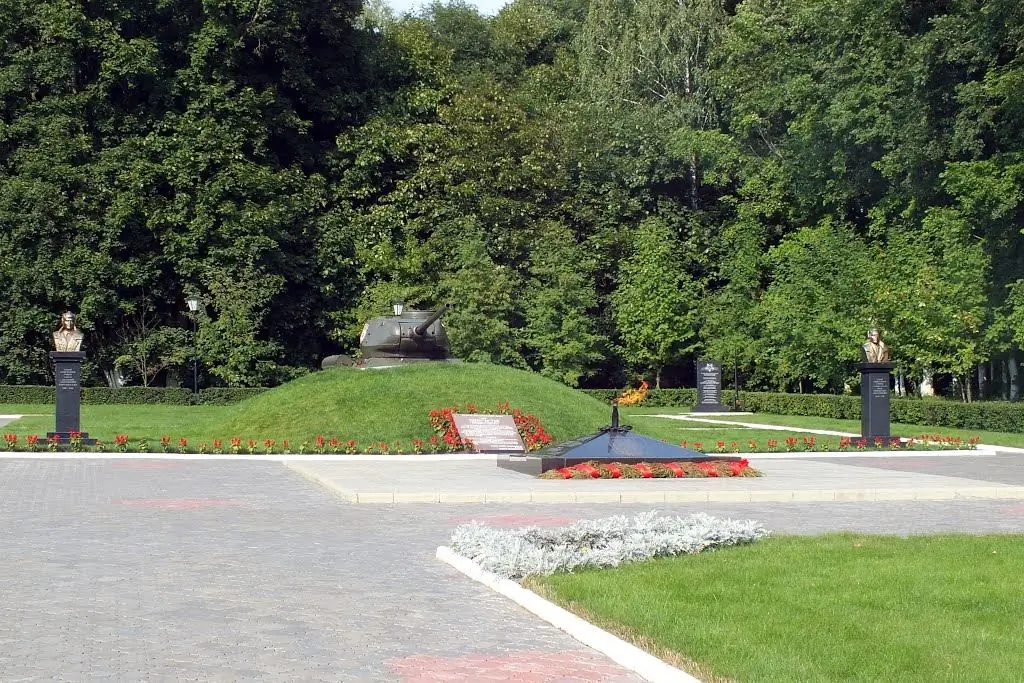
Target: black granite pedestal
{"points": [[68, 374], [874, 400]]}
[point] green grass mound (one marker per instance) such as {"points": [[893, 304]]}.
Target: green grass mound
{"points": [[394, 404]]}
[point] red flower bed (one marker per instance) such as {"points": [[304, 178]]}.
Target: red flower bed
{"points": [[654, 470]]}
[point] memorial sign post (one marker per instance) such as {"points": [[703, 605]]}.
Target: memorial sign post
{"points": [[709, 388]]}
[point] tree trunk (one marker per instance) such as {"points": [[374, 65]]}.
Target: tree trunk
{"points": [[657, 378], [1004, 379], [927, 388], [115, 380], [982, 382], [1012, 371], [694, 160]]}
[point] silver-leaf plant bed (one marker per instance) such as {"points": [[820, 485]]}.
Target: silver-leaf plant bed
{"points": [[606, 542]]}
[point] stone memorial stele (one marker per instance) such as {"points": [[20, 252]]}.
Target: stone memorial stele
{"points": [[67, 358], [490, 433], [709, 388], [875, 371]]}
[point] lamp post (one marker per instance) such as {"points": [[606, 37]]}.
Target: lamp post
{"points": [[193, 308]]}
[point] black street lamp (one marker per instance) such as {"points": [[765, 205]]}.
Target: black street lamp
{"points": [[193, 308]]}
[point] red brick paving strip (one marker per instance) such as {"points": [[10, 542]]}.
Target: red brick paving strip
{"points": [[521, 667], [517, 520], [177, 503]]}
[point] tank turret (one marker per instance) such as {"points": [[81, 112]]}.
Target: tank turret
{"points": [[406, 336]]}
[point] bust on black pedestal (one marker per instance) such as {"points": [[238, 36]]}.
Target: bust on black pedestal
{"points": [[875, 370], [67, 359]]}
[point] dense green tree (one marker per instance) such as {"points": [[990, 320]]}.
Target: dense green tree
{"points": [[816, 307], [561, 330], [146, 149], [594, 187], [656, 302]]}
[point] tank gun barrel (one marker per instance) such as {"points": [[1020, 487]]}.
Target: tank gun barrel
{"points": [[421, 329]]}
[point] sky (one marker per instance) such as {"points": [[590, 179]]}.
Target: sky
{"points": [[485, 6]]}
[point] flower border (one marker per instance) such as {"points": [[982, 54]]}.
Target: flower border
{"points": [[654, 470]]}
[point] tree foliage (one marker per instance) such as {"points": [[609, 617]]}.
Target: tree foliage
{"points": [[596, 188]]}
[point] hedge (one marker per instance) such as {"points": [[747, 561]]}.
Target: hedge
{"points": [[992, 416], [983, 415], [658, 398], [222, 396], [34, 395]]}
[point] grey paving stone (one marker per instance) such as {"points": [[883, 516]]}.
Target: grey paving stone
{"points": [[215, 571], [1004, 468], [227, 571]]}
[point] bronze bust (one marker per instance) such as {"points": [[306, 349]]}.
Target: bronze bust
{"points": [[67, 337], [874, 349]]}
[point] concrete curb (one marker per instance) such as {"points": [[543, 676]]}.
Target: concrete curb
{"points": [[454, 457], [817, 455], [619, 651], [651, 497]]}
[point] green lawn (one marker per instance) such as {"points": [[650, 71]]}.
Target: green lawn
{"points": [[828, 608], [139, 421], [204, 423], [900, 429], [394, 405]]}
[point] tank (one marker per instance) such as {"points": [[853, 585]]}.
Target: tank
{"points": [[405, 337]]}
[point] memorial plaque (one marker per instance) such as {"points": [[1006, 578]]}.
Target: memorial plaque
{"points": [[490, 433], [709, 387], [879, 385], [67, 378]]}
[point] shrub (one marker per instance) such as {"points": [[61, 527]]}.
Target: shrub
{"points": [[608, 542], [658, 398], [29, 395], [982, 415], [222, 396]]}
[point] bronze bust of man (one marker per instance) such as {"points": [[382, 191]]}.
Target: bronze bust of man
{"points": [[67, 337], [874, 349]]}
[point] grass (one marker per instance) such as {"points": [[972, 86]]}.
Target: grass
{"points": [[827, 608], [365, 405], [898, 428], [394, 405], [139, 421]]}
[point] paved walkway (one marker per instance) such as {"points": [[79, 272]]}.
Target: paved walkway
{"points": [[159, 570], [785, 480]]}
